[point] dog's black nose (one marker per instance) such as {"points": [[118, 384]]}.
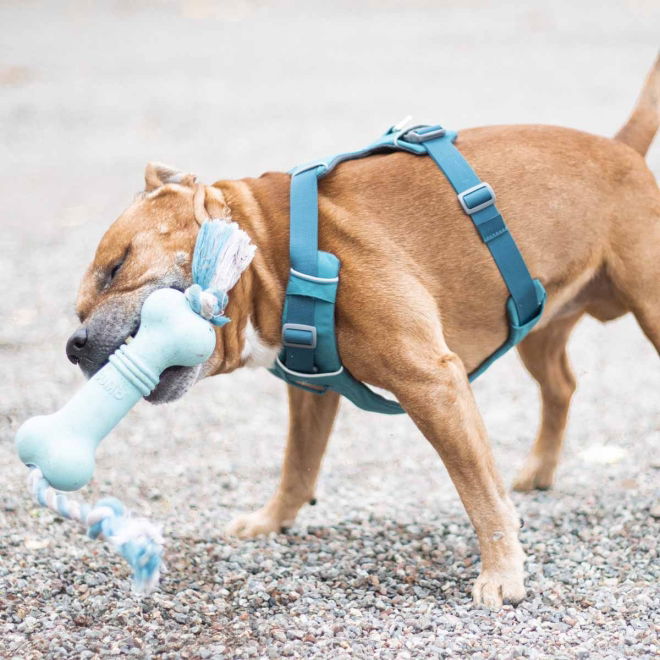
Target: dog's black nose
{"points": [[76, 344]]}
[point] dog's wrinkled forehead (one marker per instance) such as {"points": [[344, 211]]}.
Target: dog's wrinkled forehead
{"points": [[149, 245]]}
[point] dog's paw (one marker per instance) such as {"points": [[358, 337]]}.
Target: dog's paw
{"points": [[534, 475], [494, 588], [257, 523]]}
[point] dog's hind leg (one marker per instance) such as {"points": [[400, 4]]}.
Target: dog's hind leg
{"points": [[633, 265], [643, 298], [544, 354], [639, 286], [310, 422]]}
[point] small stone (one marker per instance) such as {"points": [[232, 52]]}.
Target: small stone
{"points": [[8, 504]]}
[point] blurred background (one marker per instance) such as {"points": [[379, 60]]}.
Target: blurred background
{"points": [[90, 91]]}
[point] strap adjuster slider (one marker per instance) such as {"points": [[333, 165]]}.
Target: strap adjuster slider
{"points": [[419, 134], [298, 335], [476, 198]]}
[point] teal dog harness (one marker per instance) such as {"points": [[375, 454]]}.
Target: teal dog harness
{"points": [[310, 358]]}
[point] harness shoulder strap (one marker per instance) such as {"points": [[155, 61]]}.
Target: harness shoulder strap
{"points": [[299, 334]]}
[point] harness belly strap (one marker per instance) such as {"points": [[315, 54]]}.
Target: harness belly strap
{"points": [[310, 357]]}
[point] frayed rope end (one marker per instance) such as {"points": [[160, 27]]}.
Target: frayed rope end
{"points": [[137, 540], [222, 252]]}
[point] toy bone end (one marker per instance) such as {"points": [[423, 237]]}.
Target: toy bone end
{"points": [[67, 465]]}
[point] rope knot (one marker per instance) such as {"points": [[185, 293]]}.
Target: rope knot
{"points": [[100, 519], [208, 303]]}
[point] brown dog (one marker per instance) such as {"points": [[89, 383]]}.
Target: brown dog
{"points": [[418, 308]]}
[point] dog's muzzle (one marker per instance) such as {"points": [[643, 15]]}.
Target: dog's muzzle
{"points": [[106, 329]]}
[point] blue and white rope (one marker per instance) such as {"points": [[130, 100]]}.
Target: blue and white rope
{"points": [[139, 541]]}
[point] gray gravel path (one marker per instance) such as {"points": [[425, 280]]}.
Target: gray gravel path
{"points": [[382, 566]]}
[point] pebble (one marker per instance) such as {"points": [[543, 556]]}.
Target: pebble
{"points": [[303, 613]]}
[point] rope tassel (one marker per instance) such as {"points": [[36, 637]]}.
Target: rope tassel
{"points": [[222, 252]]}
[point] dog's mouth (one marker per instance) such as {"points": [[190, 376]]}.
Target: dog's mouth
{"points": [[174, 381], [173, 384], [117, 324]]}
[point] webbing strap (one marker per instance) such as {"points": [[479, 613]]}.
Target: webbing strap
{"points": [[303, 250], [304, 222], [488, 221]]}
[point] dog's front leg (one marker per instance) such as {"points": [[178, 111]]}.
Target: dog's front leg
{"points": [[310, 421], [437, 395]]}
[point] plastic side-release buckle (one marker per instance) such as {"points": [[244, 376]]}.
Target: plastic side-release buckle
{"points": [[298, 335], [476, 198]]}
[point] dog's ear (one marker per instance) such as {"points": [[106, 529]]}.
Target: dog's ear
{"points": [[209, 203], [157, 175]]}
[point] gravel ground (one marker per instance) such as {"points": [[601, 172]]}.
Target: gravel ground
{"points": [[382, 566]]}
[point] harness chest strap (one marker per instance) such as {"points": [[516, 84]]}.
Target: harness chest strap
{"points": [[310, 357]]}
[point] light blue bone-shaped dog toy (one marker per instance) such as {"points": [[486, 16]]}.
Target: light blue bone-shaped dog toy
{"points": [[175, 329]]}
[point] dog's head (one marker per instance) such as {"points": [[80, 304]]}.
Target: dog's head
{"points": [[148, 247]]}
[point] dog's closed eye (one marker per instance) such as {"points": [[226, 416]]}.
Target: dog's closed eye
{"points": [[114, 270]]}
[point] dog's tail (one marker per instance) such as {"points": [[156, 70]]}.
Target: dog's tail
{"points": [[643, 123]]}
